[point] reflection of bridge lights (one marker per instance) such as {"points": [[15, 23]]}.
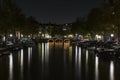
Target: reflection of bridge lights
{"points": [[70, 52], [29, 54], [45, 57], [47, 52], [42, 52]]}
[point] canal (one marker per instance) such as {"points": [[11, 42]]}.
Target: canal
{"points": [[59, 61]]}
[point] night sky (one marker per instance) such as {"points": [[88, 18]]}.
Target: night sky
{"points": [[57, 11]]}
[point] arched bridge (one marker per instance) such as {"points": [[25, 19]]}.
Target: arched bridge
{"points": [[58, 40]]}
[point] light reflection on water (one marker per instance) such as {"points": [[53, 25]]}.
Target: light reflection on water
{"points": [[87, 54], [71, 60], [11, 67], [29, 56], [43, 50], [96, 68], [66, 50], [45, 58], [76, 55], [70, 53], [46, 53], [78, 62], [21, 64], [111, 70], [29, 61], [80, 57]]}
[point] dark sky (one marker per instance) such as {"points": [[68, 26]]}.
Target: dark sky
{"points": [[57, 11]]}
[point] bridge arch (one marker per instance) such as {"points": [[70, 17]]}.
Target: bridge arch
{"points": [[58, 40], [50, 40], [66, 40]]}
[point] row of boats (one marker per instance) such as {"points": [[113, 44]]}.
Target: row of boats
{"points": [[110, 48], [6, 48]]}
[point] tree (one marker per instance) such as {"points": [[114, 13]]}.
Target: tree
{"points": [[95, 21], [79, 26], [31, 26], [112, 17]]}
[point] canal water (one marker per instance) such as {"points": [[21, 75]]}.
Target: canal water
{"points": [[57, 61]]}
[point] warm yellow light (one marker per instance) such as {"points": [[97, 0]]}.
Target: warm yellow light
{"points": [[40, 32], [70, 36], [65, 36]]}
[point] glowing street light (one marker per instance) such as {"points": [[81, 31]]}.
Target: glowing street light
{"points": [[29, 36], [64, 29], [11, 35], [21, 35], [40, 32], [70, 36], [98, 37], [112, 35], [65, 36]]}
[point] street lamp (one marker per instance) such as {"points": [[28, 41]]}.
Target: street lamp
{"points": [[98, 37], [40, 32], [112, 35], [11, 35], [21, 35]]}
